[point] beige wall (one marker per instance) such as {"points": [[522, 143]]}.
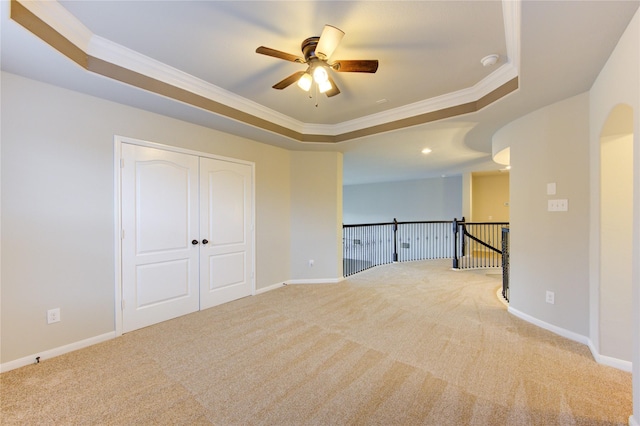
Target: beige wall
{"points": [[563, 143], [58, 208], [316, 216], [618, 83], [490, 199], [616, 245], [549, 250]]}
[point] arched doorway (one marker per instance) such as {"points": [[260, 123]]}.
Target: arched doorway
{"points": [[616, 244]]}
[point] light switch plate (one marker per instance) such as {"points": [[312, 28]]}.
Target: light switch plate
{"points": [[558, 205], [551, 188]]}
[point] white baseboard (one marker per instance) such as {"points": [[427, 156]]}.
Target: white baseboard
{"points": [[317, 281], [620, 364], [600, 359], [314, 281], [553, 328], [269, 288], [632, 421], [51, 353]]}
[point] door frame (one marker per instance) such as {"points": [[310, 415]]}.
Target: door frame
{"points": [[117, 235]]}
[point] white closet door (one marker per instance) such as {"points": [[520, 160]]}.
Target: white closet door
{"points": [[226, 259], [160, 222]]}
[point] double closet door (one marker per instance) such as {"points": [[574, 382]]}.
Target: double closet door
{"points": [[187, 239]]}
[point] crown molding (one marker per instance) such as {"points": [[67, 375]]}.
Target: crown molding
{"points": [[511, 12], [60, 19], [113, 56], [124, 57], [501, 76]]}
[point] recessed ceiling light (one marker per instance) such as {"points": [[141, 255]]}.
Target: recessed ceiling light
{"points": [[426, 150]]}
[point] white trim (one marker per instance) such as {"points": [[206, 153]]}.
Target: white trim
{"points": [[316, 281], [61, 20], [471, 94], [118, 141], [619, 364], [51, 353], [124, 57], [171, 148], [117, 232], [600, 359], [512, 19], [553, 328], [632, 421], [501, 297], [269, 288], [132, 60], [92, 44]]}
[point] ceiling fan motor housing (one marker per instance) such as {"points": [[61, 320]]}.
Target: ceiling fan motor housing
{"points": [[309, 48], [316, 52]]}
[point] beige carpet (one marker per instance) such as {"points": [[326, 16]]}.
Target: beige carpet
{"points": [[402, 344]]}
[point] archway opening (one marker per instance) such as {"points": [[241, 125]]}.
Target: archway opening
{"points": [[616, 244]]}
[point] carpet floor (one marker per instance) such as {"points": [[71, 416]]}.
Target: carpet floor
{"points": [[402, 344]]}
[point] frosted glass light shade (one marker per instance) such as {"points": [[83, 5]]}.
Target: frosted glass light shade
{"points": [[324, 86], [320, 75], [305, 82]]}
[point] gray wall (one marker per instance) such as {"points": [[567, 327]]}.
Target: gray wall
{"points": [[414, 200], [58, 209], [550, 250]]}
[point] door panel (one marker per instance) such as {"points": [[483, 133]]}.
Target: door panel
{"points": [[226, 194], [230, 270], [160, 219], [161, 282], [159, 184], [225, 221]]}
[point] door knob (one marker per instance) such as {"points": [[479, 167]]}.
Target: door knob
{"points": [[205, 241], [194, 242]]}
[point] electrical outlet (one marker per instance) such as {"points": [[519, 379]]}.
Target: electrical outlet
{"points": [[551, 296], [53, 315], [311, 262]]}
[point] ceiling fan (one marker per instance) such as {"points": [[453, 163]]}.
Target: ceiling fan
{"points": [[316, 53]]}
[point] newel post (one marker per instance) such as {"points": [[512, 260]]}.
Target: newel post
{"points": [[455, 243], [395, 239]]}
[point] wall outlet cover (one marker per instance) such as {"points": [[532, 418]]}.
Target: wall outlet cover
{"points": [[550, 297], [53, 315]]}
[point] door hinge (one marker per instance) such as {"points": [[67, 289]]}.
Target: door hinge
{"points": [[122, 304], [122, 163], [122, 234]]}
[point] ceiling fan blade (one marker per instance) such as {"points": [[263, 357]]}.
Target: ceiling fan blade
{"points": [[278, 54], [329, 40], [288, 81], [356, 66], [334, 89]]}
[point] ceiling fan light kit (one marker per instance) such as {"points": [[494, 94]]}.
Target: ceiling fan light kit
{"points": [[305, 82], [316, 52]]}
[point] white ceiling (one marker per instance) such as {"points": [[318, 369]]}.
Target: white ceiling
{"points": [[428, 50]]}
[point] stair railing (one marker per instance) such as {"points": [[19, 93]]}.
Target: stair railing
{"points": [[471, 245]]}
